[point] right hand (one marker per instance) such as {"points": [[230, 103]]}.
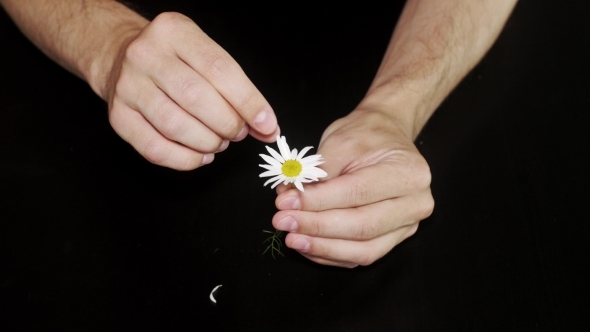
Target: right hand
{"points": [[376, 193], [178, 98]]}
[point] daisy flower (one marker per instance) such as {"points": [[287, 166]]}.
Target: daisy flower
{"points": [[290, 167]]}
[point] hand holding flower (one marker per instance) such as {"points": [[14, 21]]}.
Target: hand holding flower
{"points": [[376, 192]]}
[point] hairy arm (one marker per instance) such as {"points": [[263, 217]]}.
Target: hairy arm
{"points": [[435, 44], [85, 37]]}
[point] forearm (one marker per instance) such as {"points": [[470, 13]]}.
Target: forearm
{"points": [[435, 44], [83, 36]]}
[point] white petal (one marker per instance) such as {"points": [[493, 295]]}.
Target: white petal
{"points": [[271, 161], [309, 179], [313, 157], [269, 167], [270, 173], [294, 154], [299, 185], [278, 177], [275, 154], [276, 183], [303, 152], [312, 176], [284, 147], [213, 291], [316, 172], [311, 164]]}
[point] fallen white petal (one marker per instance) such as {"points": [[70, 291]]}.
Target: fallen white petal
{"points": [[213, 291]]}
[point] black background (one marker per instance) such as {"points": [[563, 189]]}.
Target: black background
{"points": [[94, 238]]}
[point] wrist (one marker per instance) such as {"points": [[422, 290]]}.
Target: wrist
{"points": [[409, 104], [103, 68]]}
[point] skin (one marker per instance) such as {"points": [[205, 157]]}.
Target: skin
{"points": [[161, 79], [378, 184], [174, 94]]}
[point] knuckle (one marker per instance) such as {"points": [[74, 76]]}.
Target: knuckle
{"points": [[232, 128], [208, 143], [320, 251], [409, 231], [245, 102], [359, 192], [169, 21], [170, 124], [366, 230], [314, 228], [190, 92], [139, 51], [213, 144], [366, 258], [154, 152], [427, 207], [421, 173], [217, 64], [413, 229]]}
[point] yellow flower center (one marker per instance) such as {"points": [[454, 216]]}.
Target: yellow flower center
{"points": [[291, 168]]}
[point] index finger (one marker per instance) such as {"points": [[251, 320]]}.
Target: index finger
{"points": [[211, 61], [364, 186]]}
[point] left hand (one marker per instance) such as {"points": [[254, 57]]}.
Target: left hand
{"points": [[376, 193]]}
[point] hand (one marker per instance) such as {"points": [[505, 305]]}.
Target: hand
{"points": [[376, 192], [177, 97]]}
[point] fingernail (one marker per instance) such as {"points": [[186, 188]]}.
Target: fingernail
{"points": [[287, 224], [207, 159], [243, 133], [223, 146], [301, 244], [265, 121], [290, 203]]}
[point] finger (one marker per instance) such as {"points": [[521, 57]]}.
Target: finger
{"points": [[198, 97], [242, 134], [281, 188], [356, 252], [137, 131], [173, 122], [266, 138], [212, 62], [363, 186], [329, 262], [358, 224]]}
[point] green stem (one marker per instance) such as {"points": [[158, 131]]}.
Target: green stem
{"points": [[275, 243]]}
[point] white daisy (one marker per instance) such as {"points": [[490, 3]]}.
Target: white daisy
{"points": [[290, 167]]}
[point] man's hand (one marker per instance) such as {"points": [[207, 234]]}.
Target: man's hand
{"points": [[376, 192], [378, 185], [174, 94], [177, 97]]}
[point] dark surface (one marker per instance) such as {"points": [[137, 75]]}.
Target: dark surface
{"points": [[93, 237]]}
